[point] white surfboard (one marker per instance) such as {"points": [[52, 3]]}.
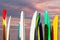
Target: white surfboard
{"points": [[8, 28], [32, 28], [22, 29]]}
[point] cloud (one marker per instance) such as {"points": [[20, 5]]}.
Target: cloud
{"points": [[19, 7], [29, 7]]}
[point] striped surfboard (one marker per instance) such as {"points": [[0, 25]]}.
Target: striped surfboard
{"points": [[55, 28], [32, 28], [47, 27], [4, 23]]}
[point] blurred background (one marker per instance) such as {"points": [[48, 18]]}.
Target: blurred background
{"points": [[14, 8]]}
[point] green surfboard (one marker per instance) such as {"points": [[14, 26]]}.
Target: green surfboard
{"points": [[47, 27], [38, 29], [37, 26]]}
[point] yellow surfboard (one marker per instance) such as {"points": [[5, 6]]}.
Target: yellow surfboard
{"points": [[55, 28]]}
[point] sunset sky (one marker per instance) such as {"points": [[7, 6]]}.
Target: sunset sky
{"points": [[14, 8]]}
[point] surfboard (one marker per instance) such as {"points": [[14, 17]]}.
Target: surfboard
{"points": [[38, 33], [4, 23], [33, 25], [37, 28], [8, 29], [55, 28], [22, 28], [47, 27], [41, 31], [19, 32]]}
